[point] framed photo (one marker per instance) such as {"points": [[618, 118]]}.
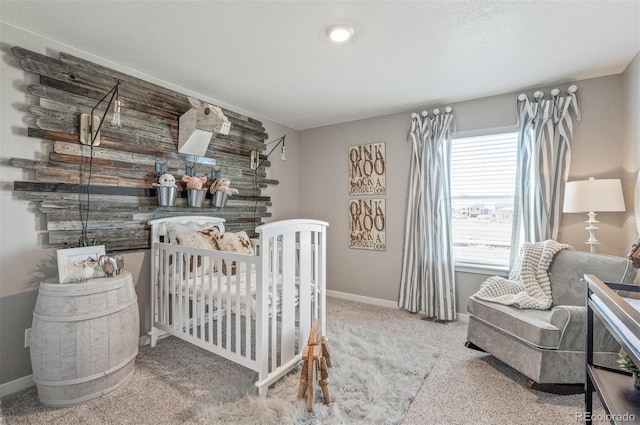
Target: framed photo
{"points": [[79, 264]]}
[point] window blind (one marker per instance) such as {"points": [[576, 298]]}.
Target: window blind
{"points": [[483, 171]]}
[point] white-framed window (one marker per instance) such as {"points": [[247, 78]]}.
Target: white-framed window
{"points": [[483, 172]]}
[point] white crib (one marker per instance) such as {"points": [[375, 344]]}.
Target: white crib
{"points": [[260, 317]]}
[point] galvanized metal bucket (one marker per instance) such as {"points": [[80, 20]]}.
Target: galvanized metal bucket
{"points": [[219, 199], [196, 197], [166, 195]]}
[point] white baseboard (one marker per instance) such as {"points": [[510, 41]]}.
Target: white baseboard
{"points": [[362, 299], [462, 317], [16, 385]]}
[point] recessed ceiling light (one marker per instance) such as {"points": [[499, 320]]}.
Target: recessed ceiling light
{"points": [[339, 33]]}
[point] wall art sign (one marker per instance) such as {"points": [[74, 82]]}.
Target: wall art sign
{"points": [[367, 224], [367, 166]]}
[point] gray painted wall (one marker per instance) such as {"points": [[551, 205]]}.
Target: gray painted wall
{"points": [[631, 146], [597, 151]]}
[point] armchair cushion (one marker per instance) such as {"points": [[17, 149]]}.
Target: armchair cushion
{"points": [[567, 270], [531, 326]]}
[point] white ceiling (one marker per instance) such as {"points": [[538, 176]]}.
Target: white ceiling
{"points": [[272, 58]]}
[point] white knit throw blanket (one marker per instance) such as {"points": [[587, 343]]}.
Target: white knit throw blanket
{"points": [[528, 285]]}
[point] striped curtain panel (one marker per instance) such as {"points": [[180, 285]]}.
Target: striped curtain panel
{"points": [[545, 129], [427, 280]]}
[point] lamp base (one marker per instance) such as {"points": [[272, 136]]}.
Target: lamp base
{"points": [[592, 228]]}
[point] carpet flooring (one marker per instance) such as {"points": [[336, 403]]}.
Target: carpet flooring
{"points": [[373, 378], [464, 386]]}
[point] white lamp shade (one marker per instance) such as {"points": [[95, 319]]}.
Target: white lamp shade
{"points": [[604, 195]]}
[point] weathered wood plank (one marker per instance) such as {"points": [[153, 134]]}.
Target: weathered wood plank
{"points": [[93, 225], [51, 175], [95, 198], [81, 189], [110, 201], [110, 190], [69, 208], [111, 235], [127, 178]]}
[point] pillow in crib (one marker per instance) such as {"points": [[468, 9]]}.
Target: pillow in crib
{"points": [[178, 229], [234, 242], [203, 239]]}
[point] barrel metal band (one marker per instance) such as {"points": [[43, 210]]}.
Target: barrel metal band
{"points": [[88, 378], [84, 316]]}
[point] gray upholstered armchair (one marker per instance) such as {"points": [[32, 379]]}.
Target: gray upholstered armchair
{"points": [[548, 346]]}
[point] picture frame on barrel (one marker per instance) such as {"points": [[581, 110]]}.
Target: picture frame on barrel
{"points": [[79, 264]]}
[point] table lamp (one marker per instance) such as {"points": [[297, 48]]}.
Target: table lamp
{"points": [[591, 196]]}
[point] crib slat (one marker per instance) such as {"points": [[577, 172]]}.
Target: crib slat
{"points": [[219, 303], [238, 289], [177, 292], [304, 288], [288, 296], [228, 307], [273, 281], [191, 310], [262, 324], [210, 300], [248, 313], [321, 282], [201, 295]]}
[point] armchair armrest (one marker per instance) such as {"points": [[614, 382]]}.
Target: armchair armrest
{"points": [[572, 322]]}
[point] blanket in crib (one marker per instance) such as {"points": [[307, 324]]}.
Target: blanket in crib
{"points": [[528, 285]]}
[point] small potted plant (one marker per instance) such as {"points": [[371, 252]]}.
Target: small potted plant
{"points": [[626, 362]]}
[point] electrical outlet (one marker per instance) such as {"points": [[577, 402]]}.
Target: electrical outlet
{"points": [[27, 338]]}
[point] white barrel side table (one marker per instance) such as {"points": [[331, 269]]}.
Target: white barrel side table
{"points": [[84, 339]]}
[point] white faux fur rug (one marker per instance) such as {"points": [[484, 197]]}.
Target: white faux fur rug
{"points": [[373, 379]]}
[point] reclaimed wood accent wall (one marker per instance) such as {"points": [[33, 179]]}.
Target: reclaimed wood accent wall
{"points": [[121, 197]]}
